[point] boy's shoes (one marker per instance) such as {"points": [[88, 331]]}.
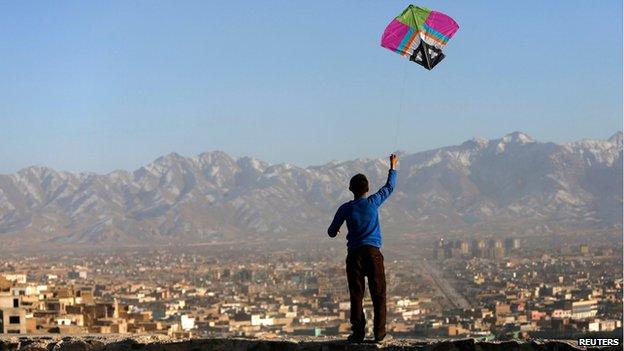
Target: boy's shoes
{"points": [[383, 338], [354, 338]]}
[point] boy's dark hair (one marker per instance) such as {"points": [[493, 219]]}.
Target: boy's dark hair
{"points": [[358, 185]]}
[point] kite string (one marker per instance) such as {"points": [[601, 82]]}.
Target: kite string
{"points": [[400, 112]]}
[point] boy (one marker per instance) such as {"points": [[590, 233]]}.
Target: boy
{"points": [[364, 258]]}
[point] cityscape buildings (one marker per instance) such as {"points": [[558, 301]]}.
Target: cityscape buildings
{"points": [[484, 288]]}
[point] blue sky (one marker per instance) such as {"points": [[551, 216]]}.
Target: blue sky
{"points": [[104, 85]]}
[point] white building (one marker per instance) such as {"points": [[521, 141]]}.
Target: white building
{"points": [[187, 323], [257, 319], [583, 309]]}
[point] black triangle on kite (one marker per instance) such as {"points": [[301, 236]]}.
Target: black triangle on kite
{"points": [[427, 56]]}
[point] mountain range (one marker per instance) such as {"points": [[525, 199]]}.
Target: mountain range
{"points": [[511, 184]]}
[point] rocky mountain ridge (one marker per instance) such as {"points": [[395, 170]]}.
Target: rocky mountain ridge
{"points": [[514, 182]]}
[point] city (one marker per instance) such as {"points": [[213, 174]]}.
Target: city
{"points": [[514, 287]]}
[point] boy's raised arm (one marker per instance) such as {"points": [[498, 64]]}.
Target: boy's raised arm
{"points": [[380, 196]]}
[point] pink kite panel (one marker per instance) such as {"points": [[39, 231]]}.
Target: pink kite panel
{"points": [[442, 23], [394, 34]]}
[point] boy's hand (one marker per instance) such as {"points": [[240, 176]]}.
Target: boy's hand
{"points": [[394, 159]]}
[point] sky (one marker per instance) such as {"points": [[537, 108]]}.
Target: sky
{"points": [[104, 85]]}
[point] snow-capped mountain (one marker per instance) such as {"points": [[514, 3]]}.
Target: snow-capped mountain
{"points": [[513, 183]]}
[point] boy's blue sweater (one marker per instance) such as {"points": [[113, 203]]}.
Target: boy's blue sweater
{"points": [[362, 217]]}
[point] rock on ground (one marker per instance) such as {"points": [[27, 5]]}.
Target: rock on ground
{"points": [[163, 343]]}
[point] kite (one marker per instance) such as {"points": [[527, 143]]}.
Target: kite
{"points": [[420, 35]]}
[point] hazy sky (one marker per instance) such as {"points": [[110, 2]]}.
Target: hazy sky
{"points": [[103, 85]]}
